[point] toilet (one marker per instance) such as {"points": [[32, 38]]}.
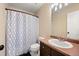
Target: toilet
{"points": [[35, 49]]}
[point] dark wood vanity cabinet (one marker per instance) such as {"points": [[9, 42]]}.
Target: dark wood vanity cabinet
{"points": [[47, 51], [44, 50], [55, 53]]}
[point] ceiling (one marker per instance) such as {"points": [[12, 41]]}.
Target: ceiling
{"points": [[30, 7]]}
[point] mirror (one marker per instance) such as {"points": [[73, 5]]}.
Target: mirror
{"points": [[65, 21], [72, 25]]}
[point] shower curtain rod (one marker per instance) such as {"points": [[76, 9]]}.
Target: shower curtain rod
{"points": [[20, 11]]}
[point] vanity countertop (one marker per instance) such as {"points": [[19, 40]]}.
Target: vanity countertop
{"points": [[74, 51]]}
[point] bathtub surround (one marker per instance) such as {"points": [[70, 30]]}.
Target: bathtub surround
{"points": [[22, 31]]}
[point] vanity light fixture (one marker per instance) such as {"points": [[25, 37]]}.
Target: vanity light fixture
{"points": [[56, 6], [53, 5]]}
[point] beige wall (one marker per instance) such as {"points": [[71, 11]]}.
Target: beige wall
{"points": [[44, 20], [2, 27], [59, 20]]}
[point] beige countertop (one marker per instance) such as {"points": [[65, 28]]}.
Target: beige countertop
{"points": [[74, 51]]}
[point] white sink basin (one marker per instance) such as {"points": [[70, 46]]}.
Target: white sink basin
{"points": [[59, 43]]}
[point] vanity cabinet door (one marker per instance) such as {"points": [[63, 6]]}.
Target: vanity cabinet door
{"points": [[44, 50], [47, 51], [55, 53]]}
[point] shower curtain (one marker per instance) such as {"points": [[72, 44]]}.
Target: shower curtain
{"points": [[21, 31]]}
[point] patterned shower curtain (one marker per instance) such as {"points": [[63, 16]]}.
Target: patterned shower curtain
{"points": [[22, 31]]}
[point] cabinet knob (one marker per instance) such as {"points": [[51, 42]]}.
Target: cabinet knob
{"points": [[43, 46], [1, 47]]}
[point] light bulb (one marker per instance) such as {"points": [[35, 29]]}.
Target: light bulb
{"points": [[52, 6], [60, 6], [55, 8]]}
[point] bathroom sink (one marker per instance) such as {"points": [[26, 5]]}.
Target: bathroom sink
{"points": [[60, 43]]}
